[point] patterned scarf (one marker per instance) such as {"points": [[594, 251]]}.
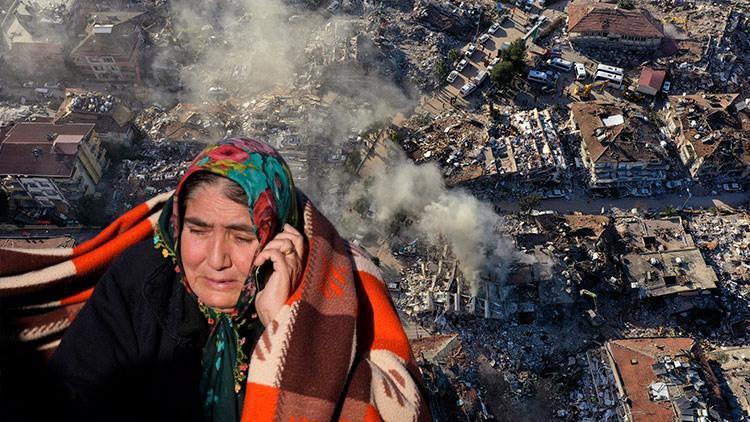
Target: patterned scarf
{"points": [[267, 182]]}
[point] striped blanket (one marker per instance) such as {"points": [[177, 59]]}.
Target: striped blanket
{"points": [[336, 350]]}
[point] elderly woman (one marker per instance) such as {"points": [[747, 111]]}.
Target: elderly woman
{"points": [[245, 305]]}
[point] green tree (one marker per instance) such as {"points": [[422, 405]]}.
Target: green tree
{"points": [[502, 74], [453, 55], [625, 4], [441, 69], [529, 202], [516, 54]]}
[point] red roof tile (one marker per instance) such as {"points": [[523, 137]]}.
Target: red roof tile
{"points": [[606, 17], [30, 149], [634, 359], [652, 78]]}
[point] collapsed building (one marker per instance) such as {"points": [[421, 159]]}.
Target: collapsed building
{"points": [[604, 25], [620, 149], [662, 259], [35, 34], [112, 119], [654, 380], [712, 133], [526, 153]]}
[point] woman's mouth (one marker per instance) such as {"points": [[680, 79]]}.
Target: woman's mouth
{"points": [[219, 284]]}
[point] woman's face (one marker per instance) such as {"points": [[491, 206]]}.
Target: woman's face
{"points": [[217, 245]]}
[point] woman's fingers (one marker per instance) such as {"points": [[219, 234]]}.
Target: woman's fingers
{"points": [[286, 251]]}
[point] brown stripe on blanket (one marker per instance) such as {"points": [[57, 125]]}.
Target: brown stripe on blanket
{"points": [[311, 357], [16, 262]]}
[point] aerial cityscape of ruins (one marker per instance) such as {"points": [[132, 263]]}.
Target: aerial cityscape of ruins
{"points": [[555, 191]]}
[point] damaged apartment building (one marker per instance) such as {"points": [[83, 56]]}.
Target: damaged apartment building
{"points": [[604, 25], [620, 149], [50, 164], [653, 380], [661, 258], [712, 134]]}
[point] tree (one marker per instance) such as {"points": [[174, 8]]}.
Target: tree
{"points": [[502, 74], [453, 55], [625, 4], [516, 54], [441, 69], [529, 202]]}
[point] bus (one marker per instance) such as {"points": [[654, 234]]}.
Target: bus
{"points": [[610, 69], [614, 80]]}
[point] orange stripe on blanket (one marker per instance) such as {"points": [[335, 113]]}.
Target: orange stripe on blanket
{"points": [[371, 414], [122, 224], [260, 403], [108, 252], [78, 297], [380, 329]]}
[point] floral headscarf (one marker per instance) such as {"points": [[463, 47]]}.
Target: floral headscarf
{"points": [[271, 196]]}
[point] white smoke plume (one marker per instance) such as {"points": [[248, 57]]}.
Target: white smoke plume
{"points": [[441, 215]]}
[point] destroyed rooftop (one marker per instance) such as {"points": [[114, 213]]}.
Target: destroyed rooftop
{"points": [[81, 102], [37, 21], [608, 18], [708, 120], [669, 366], [612, 135]]}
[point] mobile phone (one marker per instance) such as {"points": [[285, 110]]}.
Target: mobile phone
{"points": [[262, 274]]}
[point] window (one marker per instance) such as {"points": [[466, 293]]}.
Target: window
{"points": [[108, 59], [98, 68]]}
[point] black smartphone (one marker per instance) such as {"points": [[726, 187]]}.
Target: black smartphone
{"points": [[262, 274]]}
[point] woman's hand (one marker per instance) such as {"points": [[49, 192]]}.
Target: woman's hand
{"points": [[286, 251]]}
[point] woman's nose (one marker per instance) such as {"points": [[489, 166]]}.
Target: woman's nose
{"points": [[218, 254]]}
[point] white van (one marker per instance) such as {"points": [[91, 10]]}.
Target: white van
{"points": [[560, 64], [610, 69], [539, 77], [615, 81], [479, 79], [467, 89], [580, 71]]}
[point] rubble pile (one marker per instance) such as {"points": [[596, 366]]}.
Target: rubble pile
{"points": [[156, 167], [91, 102]]}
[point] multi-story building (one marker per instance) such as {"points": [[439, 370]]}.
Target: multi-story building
{"points": [[43, 154], [619, 150], [110, 49]]}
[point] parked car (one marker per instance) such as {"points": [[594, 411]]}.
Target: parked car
{"points": [[529, 5], [470, 50], [484, 38], [452, 77], [461, 65], [467, 89], [731, 187], [665, 87], [495, 26], [671, 184], [495, 61]]}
